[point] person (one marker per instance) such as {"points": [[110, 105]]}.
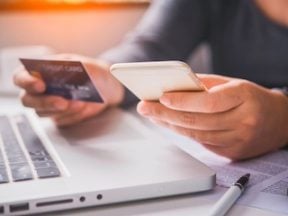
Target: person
{"points": [[243, 113]]}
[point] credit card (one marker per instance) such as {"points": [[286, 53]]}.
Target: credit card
{"points": [[67, 79]]}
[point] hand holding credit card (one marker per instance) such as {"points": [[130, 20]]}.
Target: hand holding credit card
{"points": [[67, 79]]}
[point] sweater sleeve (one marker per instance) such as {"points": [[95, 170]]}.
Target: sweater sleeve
{"points": [[170, 30]]}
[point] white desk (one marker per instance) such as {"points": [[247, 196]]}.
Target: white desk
{"points": [[186, 205]]}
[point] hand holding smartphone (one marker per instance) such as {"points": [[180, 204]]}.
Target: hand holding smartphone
{"points": [[149, 80]]}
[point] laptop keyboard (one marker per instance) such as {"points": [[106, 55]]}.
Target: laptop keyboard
{"points": [[23, 157]]}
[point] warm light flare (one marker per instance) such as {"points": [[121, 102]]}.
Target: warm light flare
{"points": [[95, 1], [65, 4], [68, 1]]}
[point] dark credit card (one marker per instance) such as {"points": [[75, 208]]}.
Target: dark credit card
{"points": [[67, 79]]}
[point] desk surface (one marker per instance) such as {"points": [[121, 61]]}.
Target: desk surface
{"points": [[187, 205], [196, 204]]}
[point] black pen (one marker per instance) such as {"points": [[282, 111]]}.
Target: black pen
{"points": [[230, 197]]}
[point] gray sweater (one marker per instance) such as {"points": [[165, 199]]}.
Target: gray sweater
{"points": [[243, 41]]}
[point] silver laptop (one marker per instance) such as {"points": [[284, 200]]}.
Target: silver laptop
{"points": [[109, 159]]}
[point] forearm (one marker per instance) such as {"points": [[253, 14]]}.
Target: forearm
{"points": [[169, 31]]}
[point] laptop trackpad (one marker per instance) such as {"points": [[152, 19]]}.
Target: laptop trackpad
{"points": [[117, 146]]}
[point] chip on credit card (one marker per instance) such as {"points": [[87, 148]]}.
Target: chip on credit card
{"points": [[64, 78]]}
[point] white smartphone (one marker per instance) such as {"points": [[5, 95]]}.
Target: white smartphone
{"points": [[149, 80]]}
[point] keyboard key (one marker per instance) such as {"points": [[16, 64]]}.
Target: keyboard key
{"points": [[20, 169], [10, 142], [21, 172], [42, 161], [3, 173], [17, 159], [32, 142], [44, 164], [3, 176], [48, 172], [39, 153], [2, 163]]}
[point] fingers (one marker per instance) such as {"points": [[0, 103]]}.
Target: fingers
{"points": [[31, 84], [227, 152], [211, 80], [44, 102], [211, 138], [196, 121], [63, 112], [45, 113], [78, 113], [217, 99], [219, 142]]}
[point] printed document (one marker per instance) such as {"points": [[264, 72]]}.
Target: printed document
{"points": [[268, 184]]}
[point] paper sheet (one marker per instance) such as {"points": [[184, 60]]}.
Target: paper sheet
{"points": [[268, 185]]}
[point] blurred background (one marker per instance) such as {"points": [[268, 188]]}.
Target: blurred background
{"points": [[82, 26], [33, 28]]}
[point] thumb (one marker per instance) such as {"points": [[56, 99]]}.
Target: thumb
{"points": [[107, 85], [211, 80]]}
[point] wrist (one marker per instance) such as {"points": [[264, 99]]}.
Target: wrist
{"points": [[283, 95]]}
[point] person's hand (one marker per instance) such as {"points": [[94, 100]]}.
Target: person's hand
{"points": [[234, 118], [68, 112]]}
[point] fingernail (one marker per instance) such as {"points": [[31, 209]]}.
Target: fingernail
{"points": [[60, 105]]}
